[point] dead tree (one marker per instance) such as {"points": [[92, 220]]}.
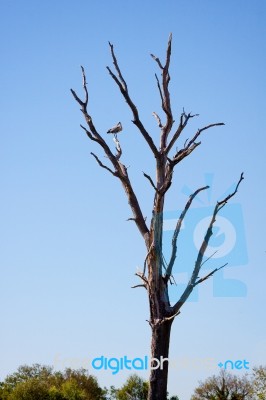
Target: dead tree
{"points": [[155, 276]]}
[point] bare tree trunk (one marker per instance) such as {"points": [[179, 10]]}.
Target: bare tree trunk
{"points": [[157, 273], [160, 312], [159, 350]]}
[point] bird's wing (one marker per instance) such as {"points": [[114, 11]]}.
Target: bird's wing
{"points": [[115, 129]]}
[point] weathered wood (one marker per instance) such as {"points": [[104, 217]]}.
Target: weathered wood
{"points": [[155, 276]]}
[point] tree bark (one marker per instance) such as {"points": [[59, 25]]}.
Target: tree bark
{"points": [[159, 350], [156, 277], [160, 309]]}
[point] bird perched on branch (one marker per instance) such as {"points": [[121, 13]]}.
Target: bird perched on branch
{"points": [[115, 129]]}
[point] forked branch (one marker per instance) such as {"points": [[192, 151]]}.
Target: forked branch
{"points": [[104, 166], [209, 275], [198, 264], [121, 83], [184, 118], [188, 148], [177, 231], [150, 180], [158, 119], [165, 94], [225, 200], [120, 170], [118, 148], [192, 144]]}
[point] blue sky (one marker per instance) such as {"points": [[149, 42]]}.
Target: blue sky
{"points": [[68, 256]]}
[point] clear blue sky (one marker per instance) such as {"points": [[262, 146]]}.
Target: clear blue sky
{"points": [[68, 256]]}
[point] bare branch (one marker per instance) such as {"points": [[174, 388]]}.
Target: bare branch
{"points": [[117, 67], [201, 130], [167, 103], [184, 118], [169, 318], [136, 286], [150, 180], [203, 247], [145, 261], [142, 276], [181, 154], [104, 166], [158, 119], [88, 133], [120, 169], [93, 133], [157, 60], [177, 231], [84, 84], [159, 88], [165, 266], [207, 259], [156, 275], [224, 201], [165, 94], [168, 52], [121, 83], [149, 322], [209, 275], [81, 103], [118, 148], [191, 145]]}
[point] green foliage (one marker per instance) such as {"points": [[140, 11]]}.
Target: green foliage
{"points": [[41, 383], [87, 383], [135, 388], [33, 389], [225, 386], [25, 372], [55, 394], [259, 382], [110, 394], [72, 391]]}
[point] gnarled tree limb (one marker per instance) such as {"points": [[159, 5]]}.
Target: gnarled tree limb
{"points": [[177, 231], [198, 264], [162, 313], [182, 153], [184, 118], [165, 94], [104, 166], [150, 180], [119, 80], [158, 119], [120, 169], [209, 275]]}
